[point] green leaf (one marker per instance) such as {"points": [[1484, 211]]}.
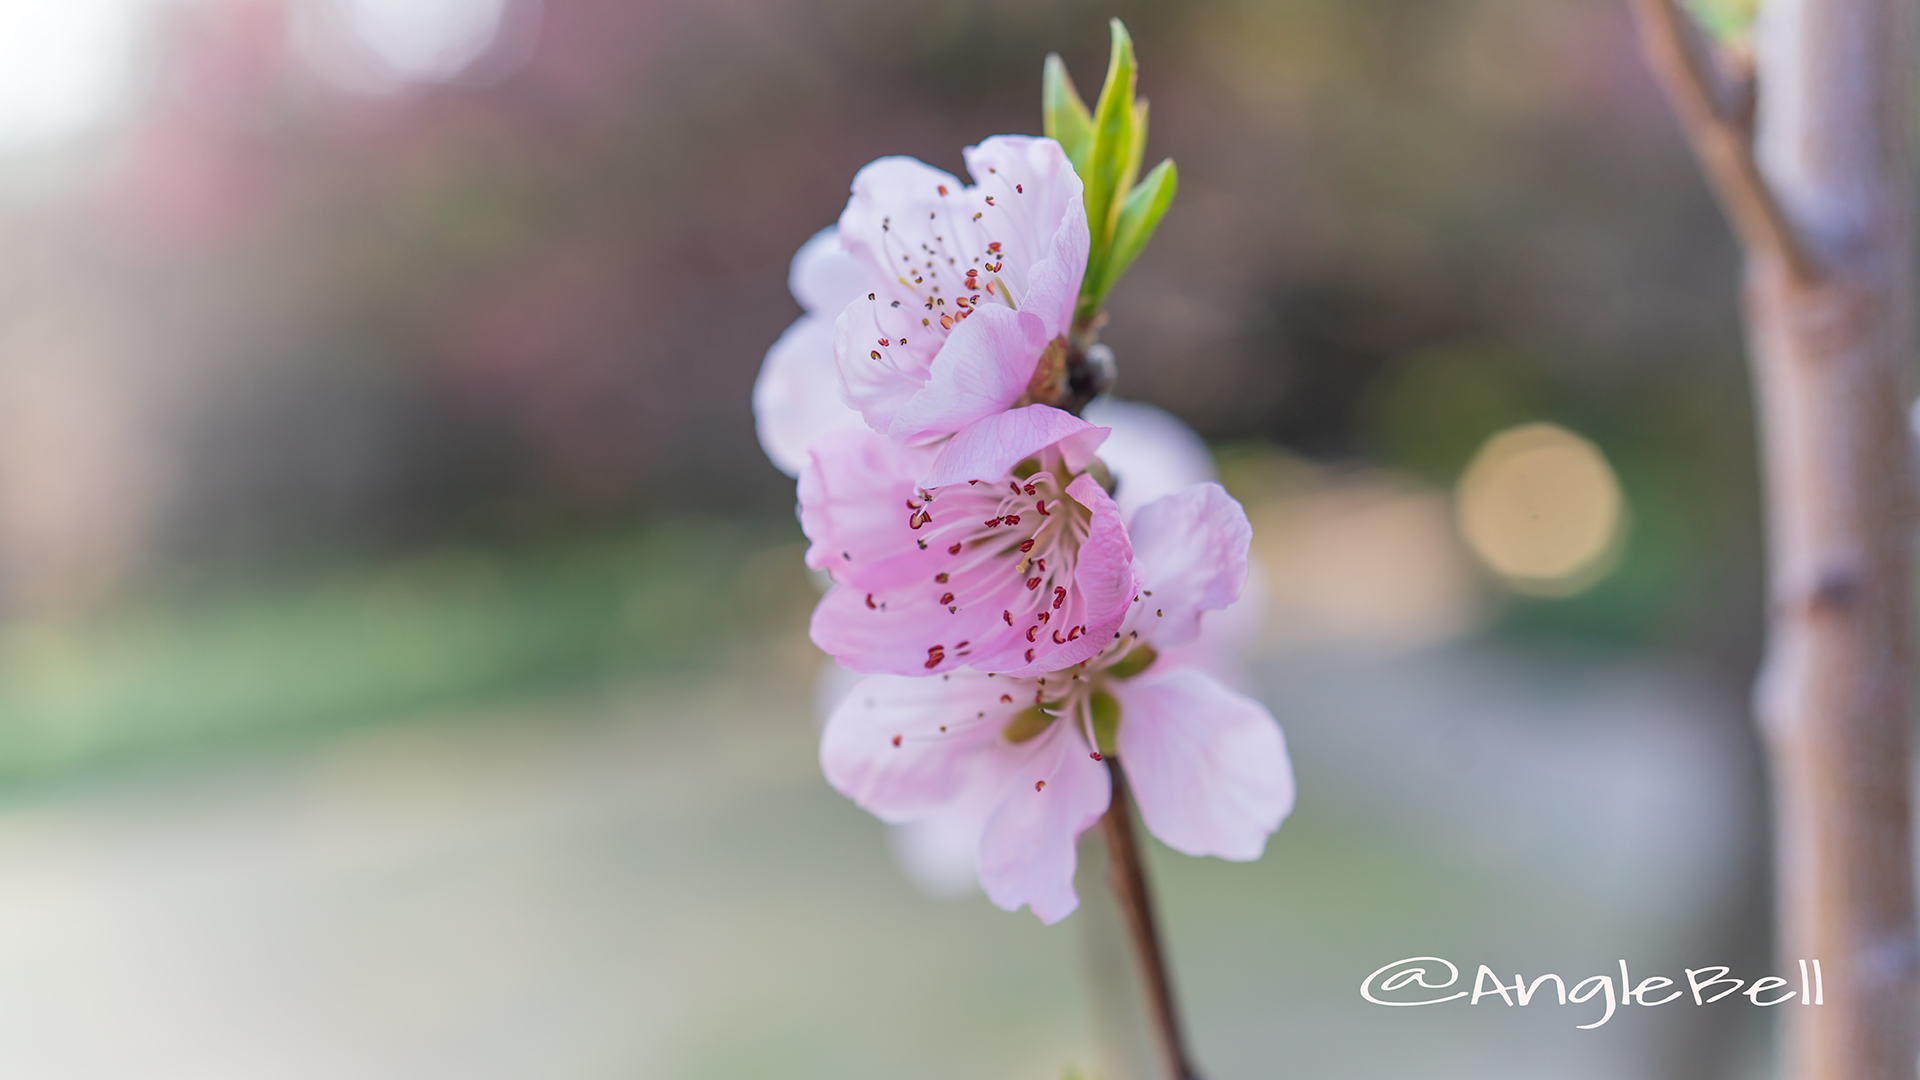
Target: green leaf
{"points": [[1136, 147], [1065, 117], [1107, 161], [1140, 214]]}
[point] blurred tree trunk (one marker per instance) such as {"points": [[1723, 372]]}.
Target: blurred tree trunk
{"points": [[1806, 148]]}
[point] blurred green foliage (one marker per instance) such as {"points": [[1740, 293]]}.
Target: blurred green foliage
{"points": [[235, 658]]}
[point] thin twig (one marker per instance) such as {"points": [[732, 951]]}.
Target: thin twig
{"points": [[1129, 881], [1722, 143]]}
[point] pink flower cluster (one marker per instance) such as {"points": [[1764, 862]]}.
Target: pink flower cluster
{"points": [[1022, 609]]}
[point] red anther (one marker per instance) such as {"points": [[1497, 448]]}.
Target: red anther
{"points": [[1013, 519], [1040, 564], [1032, 630], [911, 505], [876, 354], [1007, 615], [954, 550], [1096, 756], [1033, 583], [1018, 189], [963, 644], [992, 522], [1059, 596], [940, 578], [1026, 545], [1041, 505], [1039, 785], [913, 520], [1040, 695], [946, 323], [1030, 490], [896, 740], [1044, 616], [1073, 633], [989, 288], [934, 662], [943, 189], [1013, 487], [946, 598], [870, 603], [1057, 639], [1029, 656], [960, 301], [995, 246], [989, 200], [884, 343], [931, 649]]}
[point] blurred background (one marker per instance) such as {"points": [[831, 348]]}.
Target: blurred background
{"points": [[402, 656]]}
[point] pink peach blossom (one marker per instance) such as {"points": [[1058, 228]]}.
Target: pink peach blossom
{"points": [[970, 285], [1015, 758], [999, 551]]}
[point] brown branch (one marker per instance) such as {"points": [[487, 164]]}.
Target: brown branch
{"points": [[1722, 143], [1129, 882]]}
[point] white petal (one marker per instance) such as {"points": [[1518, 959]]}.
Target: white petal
{"points": [[903, 748], [824, 277], [1208, 766], [796, 397], [1192, 550], [1054, 792], [1151, 452]]}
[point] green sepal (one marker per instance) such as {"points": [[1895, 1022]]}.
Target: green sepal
{"points": [[1140, 214], [1064, 116], [1026, 724], [1729, 22], [1106, 722], [1137, 660]]}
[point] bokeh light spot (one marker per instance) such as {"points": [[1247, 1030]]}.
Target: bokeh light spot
{"points": [[1542, 509], [62, 65]]}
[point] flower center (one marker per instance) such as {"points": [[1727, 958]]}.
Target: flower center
{"points": [[1013, 544], [1079, 696], [947, 265]]}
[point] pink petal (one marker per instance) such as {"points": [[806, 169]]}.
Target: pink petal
{"points": [[902, 748], [1034, 184], [1027, 851], [1208, 766], [988, 448], [983, 368], [909, 632], [824, 277], [1151, 452], [853, 491], [883, 189], [796, 397], [877, 387], [1192, 549]]}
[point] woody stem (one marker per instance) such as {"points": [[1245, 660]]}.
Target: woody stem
{"points": [[1128, 877]]}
